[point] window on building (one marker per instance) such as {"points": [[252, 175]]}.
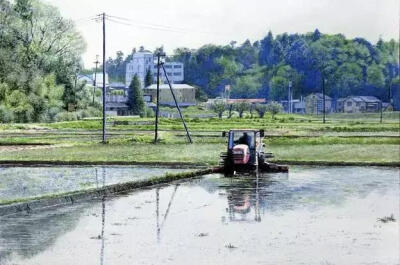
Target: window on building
{"points": [[177, 74], [178, 66], [358, 104], [349, 103]]}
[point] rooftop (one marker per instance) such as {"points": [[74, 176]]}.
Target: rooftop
{"points": [[174, 86], [368, 99], [249, 100]]}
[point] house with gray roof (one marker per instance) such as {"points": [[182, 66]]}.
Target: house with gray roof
{"points": [[355, 104], [314, 103]]}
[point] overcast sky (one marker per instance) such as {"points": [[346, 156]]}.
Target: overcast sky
{"points": [[193, 23]]}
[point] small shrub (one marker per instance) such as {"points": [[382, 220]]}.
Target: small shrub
{"points": [[66, 116], [6, 115]]}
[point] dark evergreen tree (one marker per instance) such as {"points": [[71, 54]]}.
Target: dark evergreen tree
{"points": [[135, 97], [148, 80]]}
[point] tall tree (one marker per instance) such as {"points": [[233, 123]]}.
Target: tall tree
{"points": [[148, 80], [135, 97]]}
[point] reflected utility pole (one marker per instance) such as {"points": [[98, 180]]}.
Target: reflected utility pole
{"points": [[103, 220], [158, 213]]}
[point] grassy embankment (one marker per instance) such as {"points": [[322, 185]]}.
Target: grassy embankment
{"points": [[344, 138]]}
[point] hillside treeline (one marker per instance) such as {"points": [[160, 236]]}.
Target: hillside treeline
{"points": [[264, 68]]}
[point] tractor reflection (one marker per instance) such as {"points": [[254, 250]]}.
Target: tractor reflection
{"points": [[248, 197]]}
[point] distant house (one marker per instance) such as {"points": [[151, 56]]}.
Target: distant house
{"points": [[355, 104], [297, 106], [386, 106], [185, 94], [99, 79], [85, 78], [89, 79], [314, 103], [117, 105]]}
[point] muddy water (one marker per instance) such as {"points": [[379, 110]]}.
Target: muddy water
{"points": [[309, 216], [27, 182]]}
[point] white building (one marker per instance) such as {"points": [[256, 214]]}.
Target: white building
{"points": [[174, 72], [142, 61]]}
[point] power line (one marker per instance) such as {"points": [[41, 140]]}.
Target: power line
{"points": [[161, 27], [147, 24]]}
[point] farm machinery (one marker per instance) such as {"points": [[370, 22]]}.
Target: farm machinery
{"points": [[245, 153]]}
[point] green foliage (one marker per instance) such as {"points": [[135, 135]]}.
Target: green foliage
{"points": [[148, 80], [375, 75], [135, 97], [241, 107], [117, 92], [148, 112], [218, 106], [261, 109], [274, 108], [39, 53], [200, 95]]}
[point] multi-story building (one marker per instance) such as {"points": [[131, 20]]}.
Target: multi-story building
{"points": [[144, 60], [140, 63], [174, 72]]}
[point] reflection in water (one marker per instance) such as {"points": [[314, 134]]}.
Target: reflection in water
{"points": [[272, 199], [245, 193], [28, 234], [29, 182], [158, 225], [103, 219]]}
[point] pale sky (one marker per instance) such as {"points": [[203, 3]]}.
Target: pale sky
{"points": [[193, 23]]}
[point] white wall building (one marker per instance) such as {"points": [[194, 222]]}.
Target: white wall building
{"points": [[141, 61], [174, 71]]}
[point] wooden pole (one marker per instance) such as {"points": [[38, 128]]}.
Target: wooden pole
{"points": [[158, 98], [104, 77]]}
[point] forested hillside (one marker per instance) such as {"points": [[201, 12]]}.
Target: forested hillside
{"points": [[264, 68]]}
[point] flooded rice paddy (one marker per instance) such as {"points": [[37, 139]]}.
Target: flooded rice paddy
{"points": [[313, 215], [27, 182]]}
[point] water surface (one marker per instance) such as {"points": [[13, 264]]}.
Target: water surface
{"points": [[313, 215], [27, 182]]}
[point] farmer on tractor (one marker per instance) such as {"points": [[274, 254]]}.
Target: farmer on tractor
{"points": [[245, 139], [245, 152]]}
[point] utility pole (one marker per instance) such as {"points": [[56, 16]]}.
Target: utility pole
{"points": [[323, 98], [177, 105], [76, 80], [95, 76], [158, 98], [290, 97], [381, 118], [104, 77]]}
